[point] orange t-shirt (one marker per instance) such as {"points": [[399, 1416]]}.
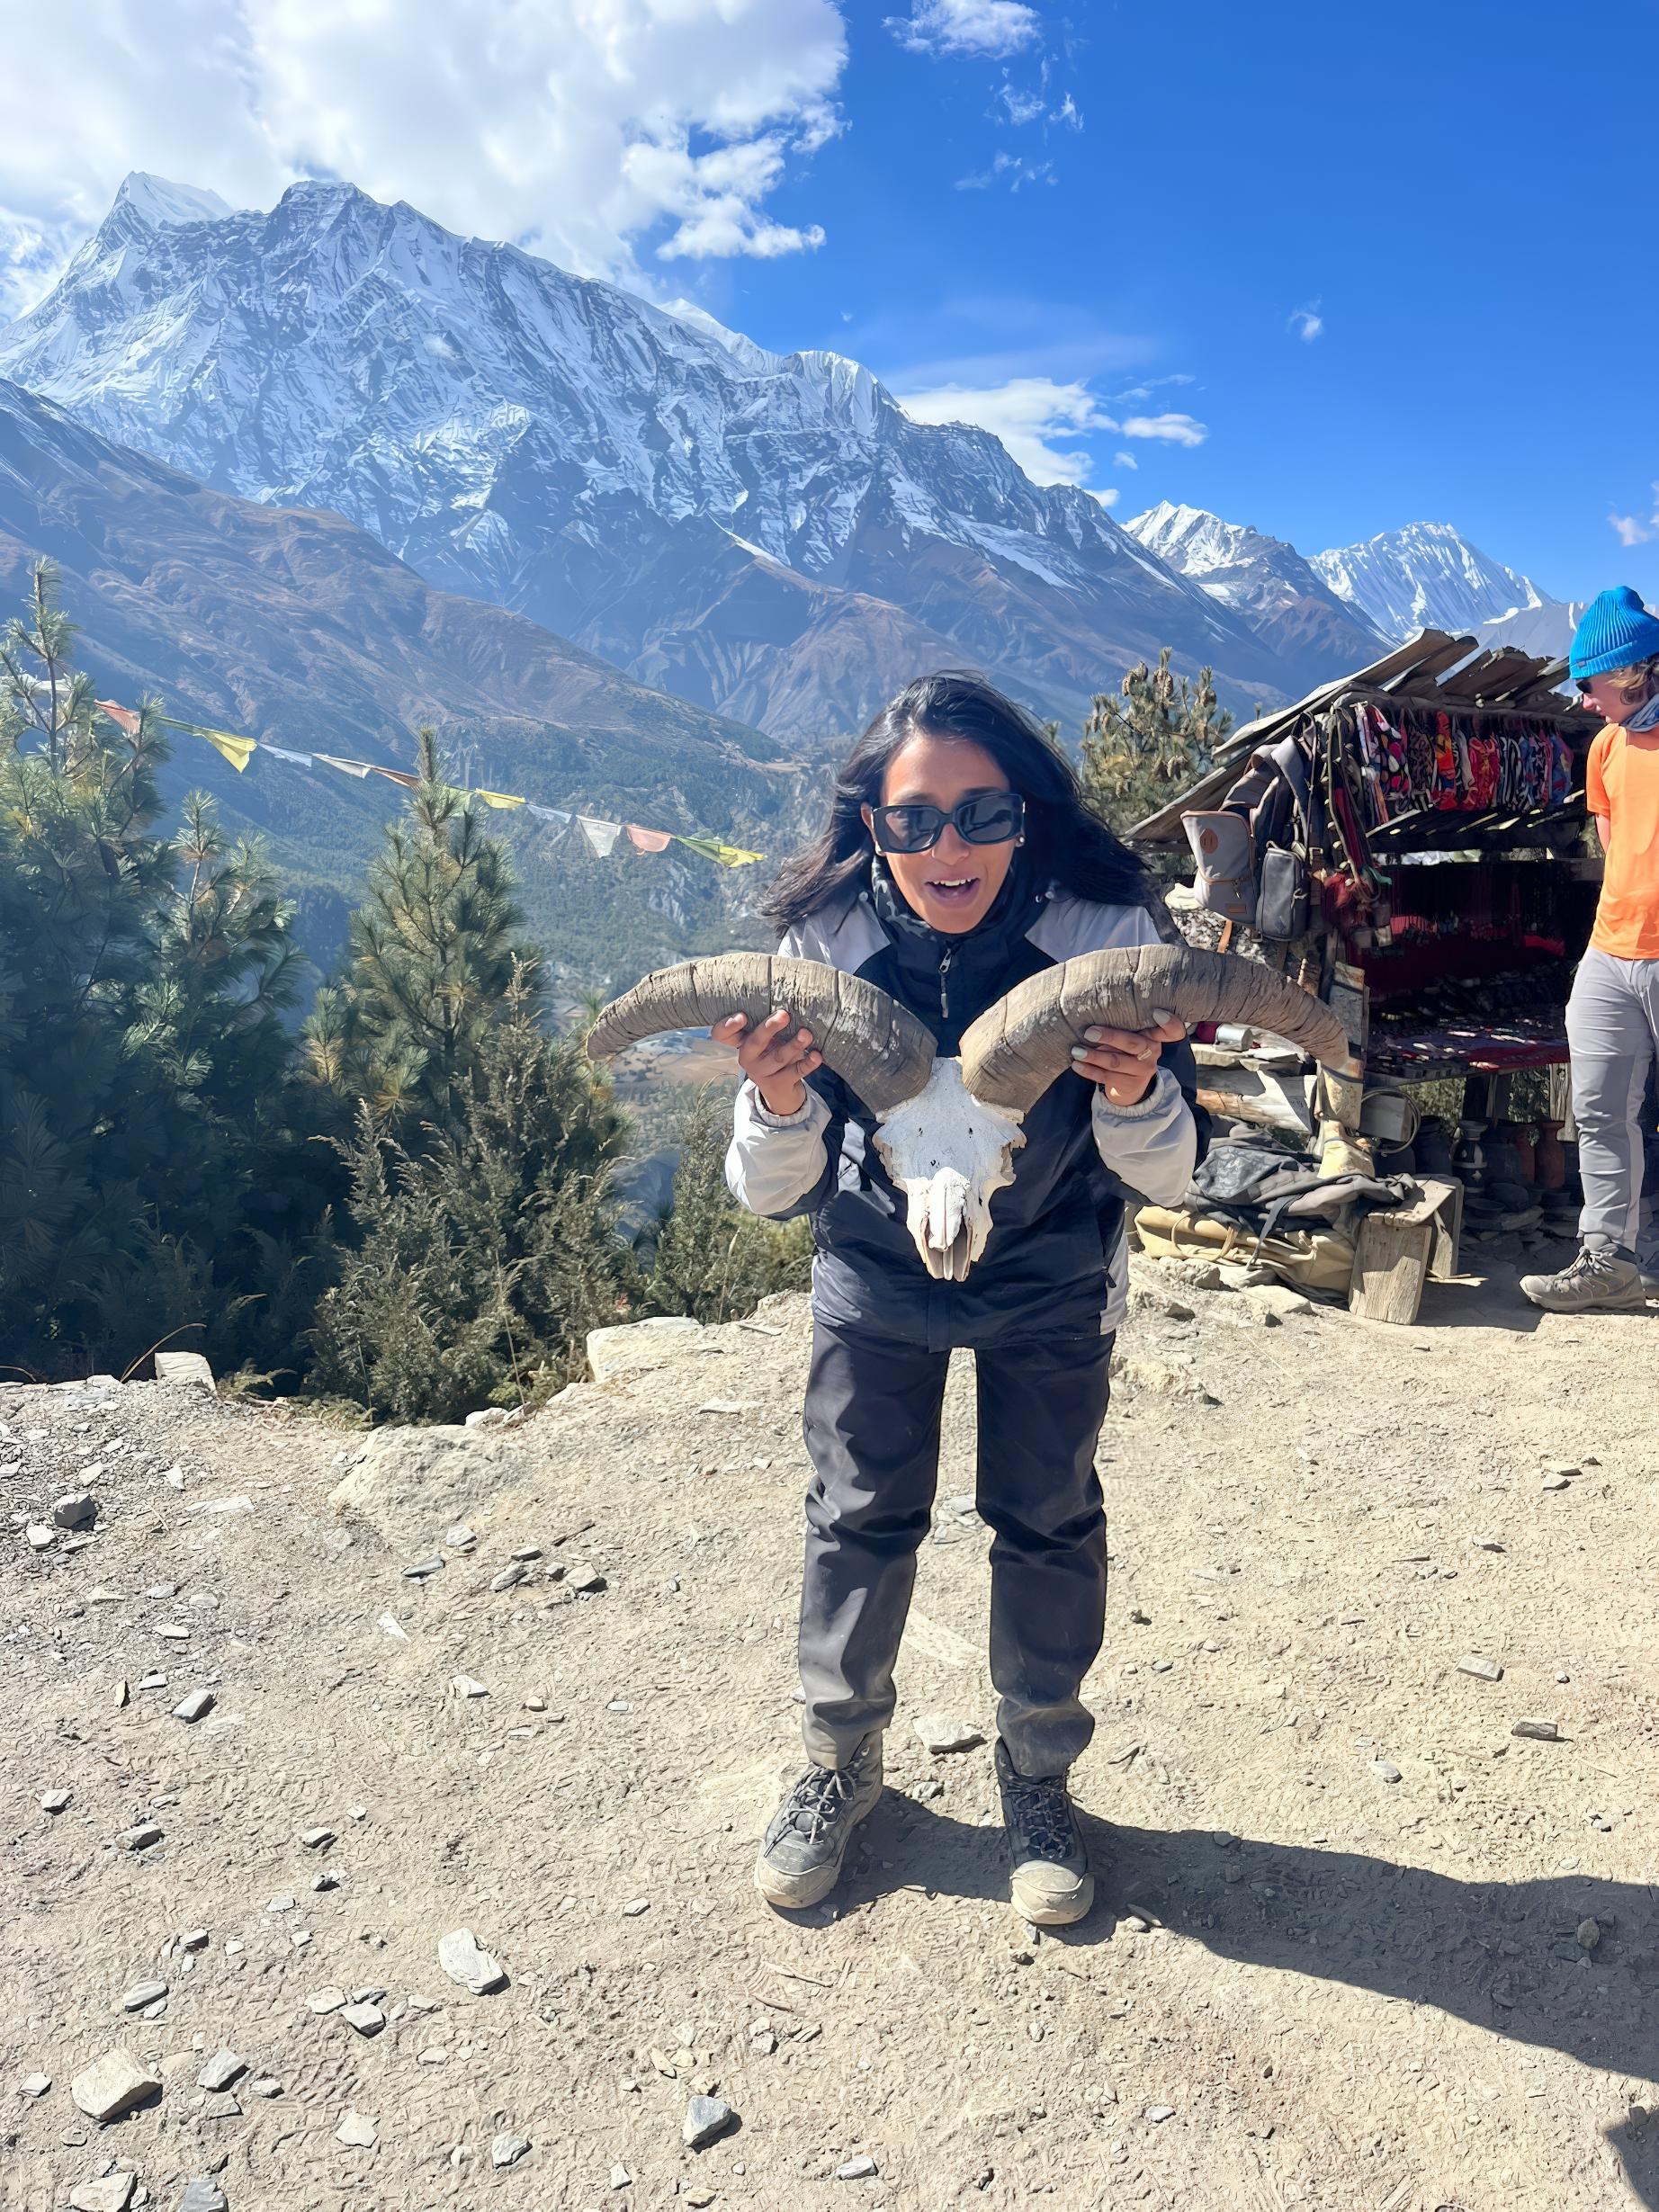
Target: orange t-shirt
{"points": [[1622, 782]]}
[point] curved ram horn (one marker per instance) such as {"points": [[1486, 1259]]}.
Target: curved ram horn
{"points": [[881, 1053], [1015, 1049]]}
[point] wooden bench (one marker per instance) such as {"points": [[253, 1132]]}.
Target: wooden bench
{"points": [[1398, 1250]]}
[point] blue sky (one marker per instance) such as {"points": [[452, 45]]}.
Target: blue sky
{"points": [[1312, 267]]}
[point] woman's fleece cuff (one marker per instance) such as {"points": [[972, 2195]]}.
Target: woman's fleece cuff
{"points": [[763, 1114], [1158, 1094]]}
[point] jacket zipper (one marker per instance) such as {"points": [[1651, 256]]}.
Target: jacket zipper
{"points": [[944, 960]]}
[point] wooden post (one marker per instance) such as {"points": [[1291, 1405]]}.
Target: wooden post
{"points": [[1394, 1252]]}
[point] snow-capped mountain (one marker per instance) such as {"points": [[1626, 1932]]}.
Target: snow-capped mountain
{"points": [[1265, 581], [300, 628], [768, 535], [1426, 576]]}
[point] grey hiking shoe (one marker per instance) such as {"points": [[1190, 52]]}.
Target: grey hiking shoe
{"points": [[807, 1841], [1595, 1283], [1048, 1868]]}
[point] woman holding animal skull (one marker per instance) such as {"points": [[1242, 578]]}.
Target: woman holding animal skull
{"points": [[958, 862]]}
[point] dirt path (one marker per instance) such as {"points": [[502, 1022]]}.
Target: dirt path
{"points": [[1339, 1990]]}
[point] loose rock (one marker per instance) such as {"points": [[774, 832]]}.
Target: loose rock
{"points": [[706, 2118], [220, 2071], [359, 2130], [195, 1708], [1485, 1670], [942, 1733], [463, 1958], [861, 2169], [55, 1801], [422, 1568], [112, 2085], [204, 2194], [468, 1686], [34, 2085], [506, 2150], [1541, 1732], [113, 2193], [79, 1509], [143, 1993], [1384, 1769]]}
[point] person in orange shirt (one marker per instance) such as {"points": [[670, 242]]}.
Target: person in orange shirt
{"points": [[1614, 1013]]}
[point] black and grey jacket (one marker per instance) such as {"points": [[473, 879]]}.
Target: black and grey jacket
{"points": [[1056, 1260]]}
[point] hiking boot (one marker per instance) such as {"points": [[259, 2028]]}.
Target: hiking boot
{"points": [[1595, 1283], [1048, 1868], [802, 1851], [1650, 1284]]}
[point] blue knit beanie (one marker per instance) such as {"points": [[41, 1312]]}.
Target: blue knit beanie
{"points": [[1617, 631]]}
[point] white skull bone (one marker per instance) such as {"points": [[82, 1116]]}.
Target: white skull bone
{"points": [[949, 1153]]}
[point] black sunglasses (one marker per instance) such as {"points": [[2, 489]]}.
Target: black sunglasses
{"points": [[1581, 683], [991, 819]]}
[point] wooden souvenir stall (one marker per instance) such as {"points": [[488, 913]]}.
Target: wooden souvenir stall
{"points": [[1409, 843]]}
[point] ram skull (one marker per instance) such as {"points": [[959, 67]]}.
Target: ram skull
{"points": [[948, 1129]]}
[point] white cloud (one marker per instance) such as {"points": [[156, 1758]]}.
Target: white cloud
{"points": [[1109, 496], [1028, 414], [1307, 323], [1023, 107], [1173, 429], [1630, 532], [966, 27], [582, 128], [1014, 170], [1126, 460]]}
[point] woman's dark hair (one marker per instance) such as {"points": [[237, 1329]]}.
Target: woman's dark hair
{"points": [[1068, 846]]}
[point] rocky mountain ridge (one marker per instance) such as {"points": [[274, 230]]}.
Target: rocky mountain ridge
{"points": [[770, 536]]}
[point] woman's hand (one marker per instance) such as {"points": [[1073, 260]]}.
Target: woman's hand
{"points": [[776, 1061], [1124, 1061]]}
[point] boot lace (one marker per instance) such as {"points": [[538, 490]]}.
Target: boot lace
{"points": [[1591, 1264], [1039, 1818], [817, 1802]]}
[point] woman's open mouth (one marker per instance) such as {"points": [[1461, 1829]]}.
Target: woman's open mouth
{"points": [[952, 891]]}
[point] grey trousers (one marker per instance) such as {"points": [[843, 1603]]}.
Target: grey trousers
{"points": [[1613, 1036], [873, 1407]]}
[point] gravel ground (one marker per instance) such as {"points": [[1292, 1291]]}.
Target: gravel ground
{"points": [[1358, 1944]]}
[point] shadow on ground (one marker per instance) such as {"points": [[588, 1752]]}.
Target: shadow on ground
{"points": [[1502, 1956]]}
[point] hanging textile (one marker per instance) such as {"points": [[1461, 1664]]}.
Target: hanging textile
{"points": [[496, 798], [122, 717], [359, 768], [647, 840], [298, 760], [547, 814], [399, 776], [238, 751], [601, 836], [727, 855]]}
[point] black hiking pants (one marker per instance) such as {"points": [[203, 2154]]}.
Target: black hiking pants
{"points": [[872, 1408]]}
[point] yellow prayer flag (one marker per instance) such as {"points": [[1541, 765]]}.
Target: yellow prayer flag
{"points": [[238, 751], [496, 798], [725, 855]]}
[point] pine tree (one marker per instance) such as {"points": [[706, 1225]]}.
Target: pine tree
{"points": [[487, 1255], [80, 870], [1145, 747], [714, 1260], [436, 963], [143, 1112]]}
